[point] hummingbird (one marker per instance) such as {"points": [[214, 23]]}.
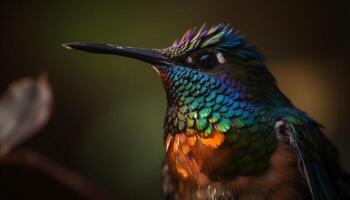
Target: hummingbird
{"points": [[229, 131]]}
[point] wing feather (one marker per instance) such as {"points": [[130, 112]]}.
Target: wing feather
{"points": [[318, 158]]}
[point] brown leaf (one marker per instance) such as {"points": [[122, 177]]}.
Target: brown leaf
{"points": [[24, 109]]}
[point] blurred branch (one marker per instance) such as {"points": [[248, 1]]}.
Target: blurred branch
{"points": [[25, 107], [62, 175]]}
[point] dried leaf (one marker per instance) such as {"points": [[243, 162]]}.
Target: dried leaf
{"points": [[24, 109]]}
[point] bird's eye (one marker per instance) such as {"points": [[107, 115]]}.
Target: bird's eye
{"points": [[207, 60]]}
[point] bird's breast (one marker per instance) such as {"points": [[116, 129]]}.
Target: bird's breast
{"points": [[195, 158], [197, 163]]}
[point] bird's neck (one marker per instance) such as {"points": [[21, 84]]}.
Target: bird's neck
{"points": [[198, 103]]}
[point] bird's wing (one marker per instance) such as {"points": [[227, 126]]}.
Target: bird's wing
{"points": [[318, 158]]}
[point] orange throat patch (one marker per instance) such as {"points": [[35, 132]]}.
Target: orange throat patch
{"points": [[193, 158]]}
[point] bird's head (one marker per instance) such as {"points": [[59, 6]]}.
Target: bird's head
{"points": [[211, 76]]}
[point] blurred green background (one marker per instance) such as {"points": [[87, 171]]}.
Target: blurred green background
{"points": [[108, 112]]}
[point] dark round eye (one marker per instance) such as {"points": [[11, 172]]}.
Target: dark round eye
{"points": [[207, 60]]}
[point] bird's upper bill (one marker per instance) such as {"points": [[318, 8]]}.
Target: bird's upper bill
{"points": [[147, 55]]}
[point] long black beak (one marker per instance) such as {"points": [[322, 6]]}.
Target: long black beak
{"points": [[147, 55]]}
